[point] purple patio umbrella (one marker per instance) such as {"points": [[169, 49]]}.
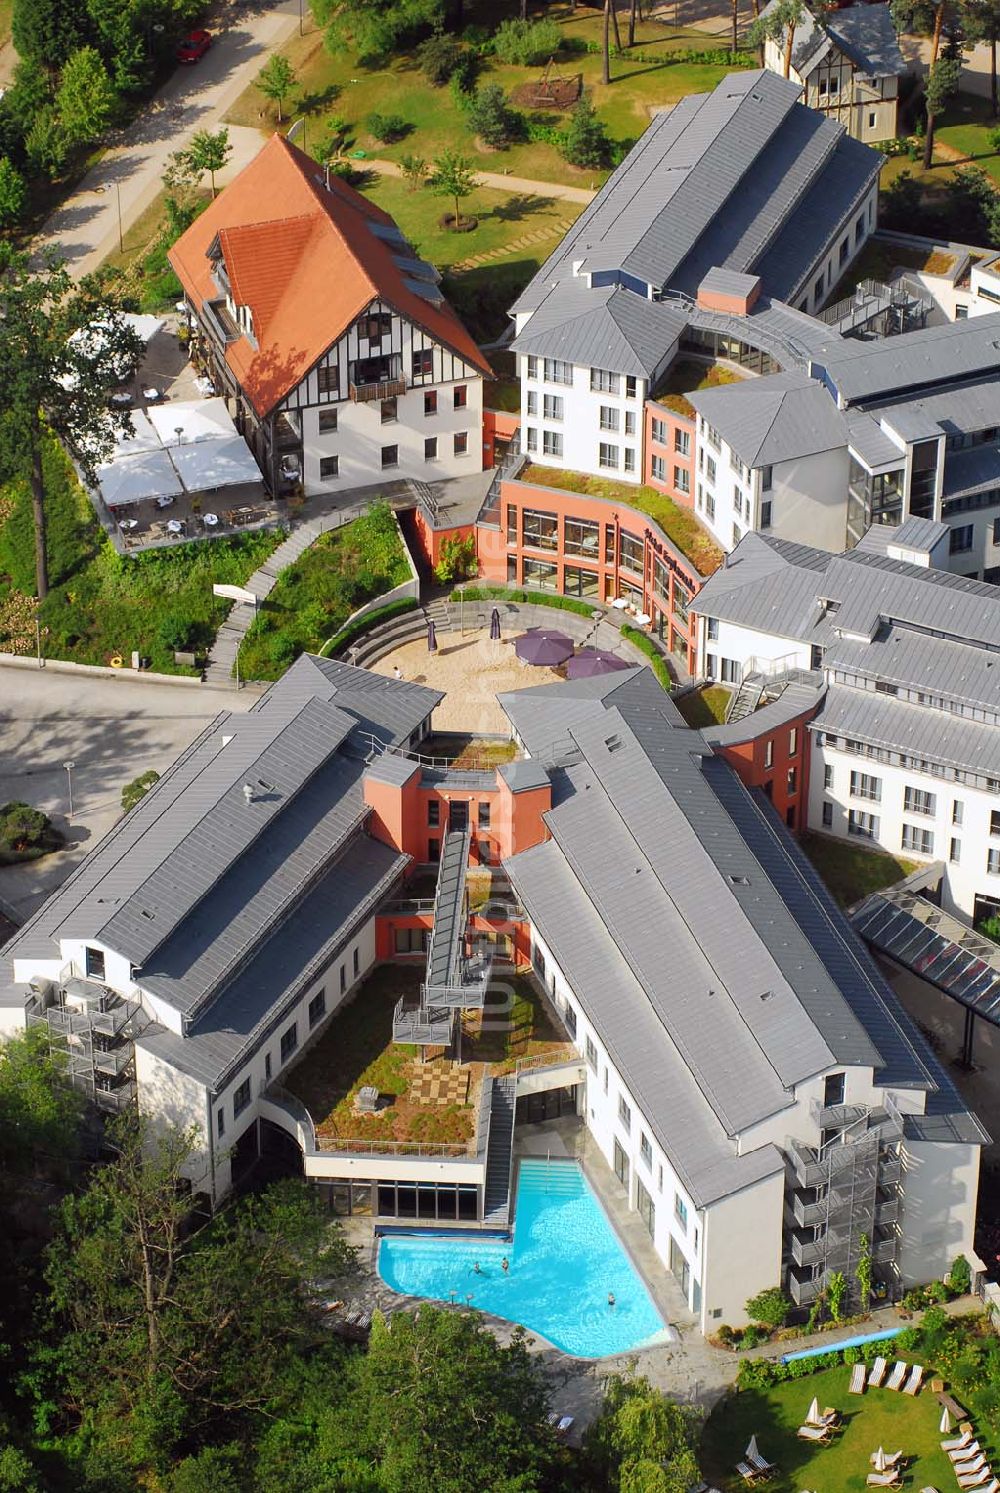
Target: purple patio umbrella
{"points": [[543, 647], [591, 661], [432, 642], [495, 626]]}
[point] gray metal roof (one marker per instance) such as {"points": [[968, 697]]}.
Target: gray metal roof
{"points": [[777, 418], [933, 735], [790, 704], [869, 441], [763, 588], [256, 1002], [964, 409], [921, 535], [387, 709], [973, 471], [719, 281], [789, 336], [542, 716], [392, 767], [524, 774], [861, 372], [605, 328], [935, 666]]}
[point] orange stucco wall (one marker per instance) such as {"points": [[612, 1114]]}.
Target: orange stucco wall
{"points": [[675, 462], [498, 428], [503, 822], [767, 761]]}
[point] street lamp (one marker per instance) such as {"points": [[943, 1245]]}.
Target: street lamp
{"points": [[118, 195], [69, 766]]}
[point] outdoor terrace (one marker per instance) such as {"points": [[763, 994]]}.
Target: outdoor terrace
{"points": [[431, 1103], [687, 376]]}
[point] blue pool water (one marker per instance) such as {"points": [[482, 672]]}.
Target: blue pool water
{"points": [[564, 1259]]}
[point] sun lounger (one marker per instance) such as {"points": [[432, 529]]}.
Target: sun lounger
{"points": [[747, 1473], [912, 1384], [877, 1374], [814, 1433], [897, 1376], [884, 1480], [976, 1479], [891, 1458], [957, 1443], [992, 1487], [762, 1465], [857, 1384], [971, 1467], [965, 1452]]}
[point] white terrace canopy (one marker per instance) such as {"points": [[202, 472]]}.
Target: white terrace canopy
{"points": [[187, 447]]}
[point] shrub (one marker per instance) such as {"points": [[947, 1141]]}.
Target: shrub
{"points": [[536, 598], [527, 43], [365, 624], [464, 75], [388, 127], [138, 788], [960, 1276], [439, 56], [458, 559], [656, 660], [491, 118], [770, 1307], [177, 632], [586, 141]]}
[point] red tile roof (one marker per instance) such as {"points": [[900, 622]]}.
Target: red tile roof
{"points": [[304, 258]]}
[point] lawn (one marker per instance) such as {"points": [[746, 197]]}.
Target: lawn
{"points": [[6, 11], [879, 258], [315, 595], [679, 524], [966, 128], [705, 707], [880, 1417], [850, 871], [102, 605], [685, 377]]}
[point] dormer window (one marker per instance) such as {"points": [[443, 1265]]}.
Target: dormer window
{"points": [[375, 326]]}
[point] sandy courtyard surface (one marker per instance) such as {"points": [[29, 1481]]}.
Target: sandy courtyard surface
{"points": [[470, 671]]}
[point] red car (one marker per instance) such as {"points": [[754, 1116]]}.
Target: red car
{"points": [[193, 47]]}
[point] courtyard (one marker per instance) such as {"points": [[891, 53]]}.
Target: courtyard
{"points": [[471, 670]]}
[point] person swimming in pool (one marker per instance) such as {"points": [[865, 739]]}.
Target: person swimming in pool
{"points": [[611, 1298], [475, 1269], [505, 1264]]}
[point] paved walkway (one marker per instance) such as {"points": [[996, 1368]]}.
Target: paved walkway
{"points": [[526, 241], [85, 228], [500, 181]]}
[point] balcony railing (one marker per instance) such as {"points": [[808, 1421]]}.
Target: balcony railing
{"points": [[389, 388], [802, 1292], [423, 1026]]}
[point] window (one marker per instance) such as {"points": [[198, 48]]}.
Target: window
{"points": [[603, 382], [540, 530], [631, 386], [737, 536], [845, 249], [766, 478], [591, 1051], [917, 839], [552, 406], [607, 455], [531, 439], [658, 469], [431, 402], [557, 372], [289, 1042], [423, 362], [329, 467], [957, 812], [712, 628], [343, 979], [960, 539], [993, 862], [460, 443], [356, 963], [645, 1149], [328, 379], [580, 582], [631, 552], [658, 432], [267, 1067], [327, 421], [531, 369], [828, 776], [872, 117], [433, 850], [624, 1114], [552, 443], [865, 826], [709, 506], [682, 442], [460, 396], [630, 422], [769, 754], [569, 1017], [387, 411], [609, 417], [241, 1098], [220, 1122], [682, 479], [791, 780], [793, 741], [645, 1207], [917, 801], [433, 812], [955, 852], [863, 785], [621, 1164], [317, 1007], [390, 457], [629, 459], [710, 468], [680, 1211], [94, 963], [375, 326], [827, 814], [483, 815], [430, 447], [995, 822]]}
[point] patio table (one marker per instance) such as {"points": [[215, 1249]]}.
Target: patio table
{"points": [[165, 502], [127, 524], [174, 526], [211, 519]]}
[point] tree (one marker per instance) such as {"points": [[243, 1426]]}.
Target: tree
{"points": [[836, 1289], [981, 23], [453, 177], [769, 1307], [11, 193], [135, 791], [46, 144], [414, 169], [388, 127], [276, 80], [641, 1442], [942, 85], [522, 43], [208, 152], [439, 56], [631, 21], [47, 31], [86, 100], [491, 118], [22, 827], [458, 560], [921, 16], [376, 28], [900, 202], [40, 1111], [606, 44], [55, 379], [586, 141], [780, 26]]}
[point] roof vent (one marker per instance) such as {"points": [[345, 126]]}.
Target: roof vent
{"points": [[248, 792], [767, 995], [226, 740], [739, 880], [613, 743]]}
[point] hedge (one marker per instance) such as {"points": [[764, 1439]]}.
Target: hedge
{"points": [[648, 647], [759, 1373], [366, 623], [710, 57], [534, 598]]}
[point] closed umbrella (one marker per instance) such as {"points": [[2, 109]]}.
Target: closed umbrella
{"points": [[543, 647], [589, 662], [944, 1425], [752, 1454], [879, 1460], [432, 642], [495, 626], [813, 1416]]}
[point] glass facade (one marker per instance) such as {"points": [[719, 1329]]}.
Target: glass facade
{"points": [[540, 531], [582, 537]]}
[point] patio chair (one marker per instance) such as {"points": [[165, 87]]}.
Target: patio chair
{"points": [[561, 1424], [890, 1459], [884, 1480], [822, 1434], [912, 1385], [964, 1453], [993, 1486], [970, 1468], [895, 1379], [857, 1384], [761, 1465], [976, 1479], [877, 1374], [957, 1443], [749, 1474]]}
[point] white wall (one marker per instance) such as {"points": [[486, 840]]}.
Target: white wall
{"points": [[941, 1185], [739, 644], [742, 1251], [580, 427], [168, 1097]]}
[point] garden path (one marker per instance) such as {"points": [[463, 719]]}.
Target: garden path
{"points": [[502, 181]]}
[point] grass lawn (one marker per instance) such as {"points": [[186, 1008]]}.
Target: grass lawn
{"points": [[6, 11], [679, 524], [705, 707], [339, 86], [314, 596], [101, 604], [966, 128], [685, 377], [850, 871], [897, 1422]]}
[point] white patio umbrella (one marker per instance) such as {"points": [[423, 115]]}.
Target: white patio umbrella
{"points": [[944, 1425], [812, 1415], [751, 1453], [879, 1461]]}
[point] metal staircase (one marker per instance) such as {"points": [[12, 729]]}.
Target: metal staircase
{"points": [[746, 699], [499, 1153]]}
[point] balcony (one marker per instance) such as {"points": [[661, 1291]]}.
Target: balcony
{"points": [[805, 1214], [802, 1291], [420, 1025], [115, 1061], [884, 1250], [806, 1250], [889, 1171], [368, 393], [886, 1211]]}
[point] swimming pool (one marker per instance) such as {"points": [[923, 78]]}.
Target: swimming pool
{"points": [[564, 1259]]}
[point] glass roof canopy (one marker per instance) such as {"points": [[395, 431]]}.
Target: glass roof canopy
{"points": [[933, 944]]}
